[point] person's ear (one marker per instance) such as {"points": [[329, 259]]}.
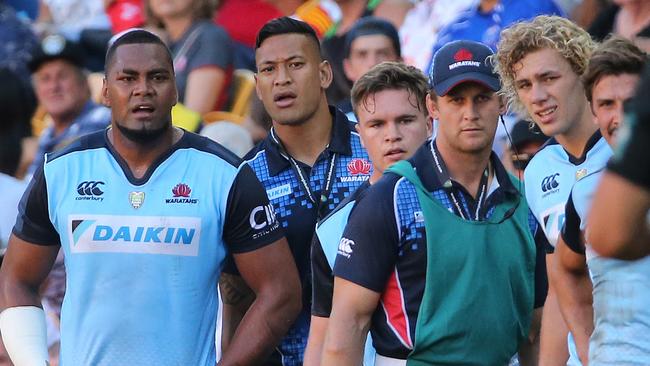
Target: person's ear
{"points": [[432, 106], [105, 100], [257, 87], [502, 105], [348, 70], [325, 74]]}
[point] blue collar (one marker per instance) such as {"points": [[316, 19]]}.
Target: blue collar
{"points": [[423, 161], [339, 143]]}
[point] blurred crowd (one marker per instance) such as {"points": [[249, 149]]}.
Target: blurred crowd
{"points": [[52, 62]]}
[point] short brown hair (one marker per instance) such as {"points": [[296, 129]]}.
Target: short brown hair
{"points": [[391, 76], [573, 43], [201, 9], [615, 56]]}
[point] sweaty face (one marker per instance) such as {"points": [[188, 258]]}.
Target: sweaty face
{"points": [[291, 78], [61, 89], [140, 89], [551, 91], [366, 52], [467, 118], [608, 96], [391, 127]]}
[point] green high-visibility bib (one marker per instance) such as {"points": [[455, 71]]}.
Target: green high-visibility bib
{"points": [[478, 296]]}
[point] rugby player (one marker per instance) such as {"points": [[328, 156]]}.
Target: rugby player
{"points": [[619, 216], [145, 213], [393, 124], [581, 276], [540, 63], [311, 160], [440, 255]]}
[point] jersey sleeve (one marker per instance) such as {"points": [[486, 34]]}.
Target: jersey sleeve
{"points": [[322, 281], [33, 223], [570, 232], [368, 250], [633, 145], [250, 219]]}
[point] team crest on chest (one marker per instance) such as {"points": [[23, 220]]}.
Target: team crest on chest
{"points": [[359, 170], [181, 194], [136, 199], [581, 173]]}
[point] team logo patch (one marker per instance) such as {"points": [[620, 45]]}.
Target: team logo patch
{"points": [[463, 54], [464, 57], [181, 194], [90, 190], [345, 247], [136, 199], [359, 170], [181, 190], [581, 173], [359, 166], [550, 184]]}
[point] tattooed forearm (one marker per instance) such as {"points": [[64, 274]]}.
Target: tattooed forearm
{"points": [[235, 292]]}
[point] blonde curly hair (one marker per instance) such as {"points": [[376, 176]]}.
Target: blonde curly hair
{"points": [[572, 42]]}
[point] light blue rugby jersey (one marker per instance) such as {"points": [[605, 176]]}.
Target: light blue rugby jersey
{"points": [[143, 256], [552, 173], [620, 290], [327, 241]]}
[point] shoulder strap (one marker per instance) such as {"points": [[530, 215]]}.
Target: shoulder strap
{"points": [[187, 44], [405, 169]]}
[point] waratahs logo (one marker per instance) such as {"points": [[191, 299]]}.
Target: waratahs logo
{"points": [[181, 194], [359, 166], [463, 55], [181, 190]]}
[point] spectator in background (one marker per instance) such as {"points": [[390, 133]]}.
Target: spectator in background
{"points": [[62, 90], [526, 140], [81, 21], [333, 44], [231, 135], [124, 14], [370, 41], [15, 109], [626, 18], [17, 41], [484, 21], [202, 51], [422, 23], [258, 122]]}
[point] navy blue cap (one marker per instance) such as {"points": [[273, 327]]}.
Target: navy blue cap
{"points": [[56, 47], [461, 61], [368, 26]]}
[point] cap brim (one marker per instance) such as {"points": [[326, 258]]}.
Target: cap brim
{"points": [[444, 87]]}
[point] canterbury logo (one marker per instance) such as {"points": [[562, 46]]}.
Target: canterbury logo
{"points": [[90, 188], [345, 247], [550, 183]]}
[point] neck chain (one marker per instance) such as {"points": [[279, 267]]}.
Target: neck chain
{"points": [[443, 176], [329, 177]]}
